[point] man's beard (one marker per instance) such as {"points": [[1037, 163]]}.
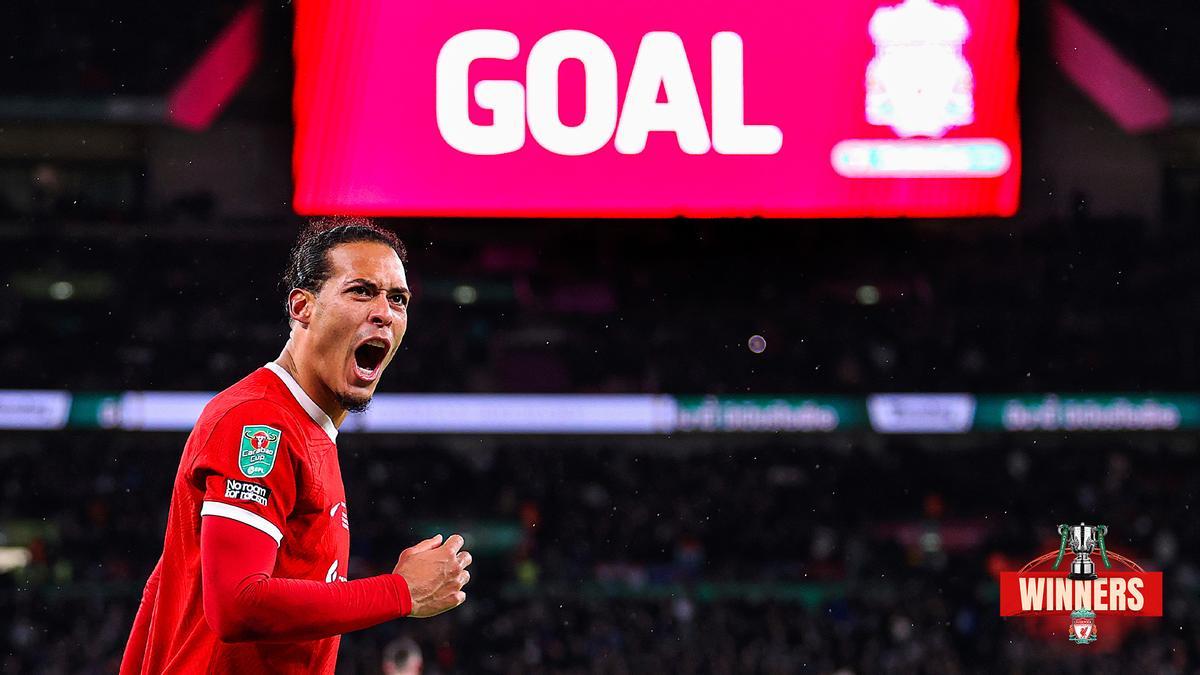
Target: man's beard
{"points": [[354, 404]]}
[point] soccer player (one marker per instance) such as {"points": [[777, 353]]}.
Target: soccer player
{"points": [[252, 577]]}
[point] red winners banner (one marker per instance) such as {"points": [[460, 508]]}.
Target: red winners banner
{"points": [[634, 108], [1112, 593]]}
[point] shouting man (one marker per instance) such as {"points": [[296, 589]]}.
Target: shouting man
{"points": [[252, 577]]}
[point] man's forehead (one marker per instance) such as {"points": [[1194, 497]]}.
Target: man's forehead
{"points": [[374, 261]]}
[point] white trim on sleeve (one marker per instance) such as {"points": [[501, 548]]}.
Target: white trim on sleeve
{"points": [[242, 516]]}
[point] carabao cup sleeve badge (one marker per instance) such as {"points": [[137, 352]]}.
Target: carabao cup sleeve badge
{"points": [[260, 443]]}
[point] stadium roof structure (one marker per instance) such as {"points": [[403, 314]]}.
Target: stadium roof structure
{"points": [[1160, 38]]}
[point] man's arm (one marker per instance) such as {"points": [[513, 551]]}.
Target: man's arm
{"points": [[242, 602]]}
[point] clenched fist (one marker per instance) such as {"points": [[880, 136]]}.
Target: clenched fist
{"points": [[435, 573]]}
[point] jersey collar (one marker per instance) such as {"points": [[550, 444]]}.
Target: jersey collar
{"points": [[314, 411]]}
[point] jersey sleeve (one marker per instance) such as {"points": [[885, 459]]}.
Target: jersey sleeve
{"points": [[243, 602], [249, 467]]}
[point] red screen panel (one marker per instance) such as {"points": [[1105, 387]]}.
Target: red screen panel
{"points": [[639, 109]]}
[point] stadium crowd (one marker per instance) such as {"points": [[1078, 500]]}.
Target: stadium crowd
{"points": [[556, 307], [701, 554]]}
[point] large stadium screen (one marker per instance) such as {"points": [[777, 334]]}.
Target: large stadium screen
{"points": [[634, 108]]}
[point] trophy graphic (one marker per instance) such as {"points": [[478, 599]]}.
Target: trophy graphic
{"points": [[1083, 540]]}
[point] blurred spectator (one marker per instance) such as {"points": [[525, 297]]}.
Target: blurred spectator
{"points": [[402, 656]]}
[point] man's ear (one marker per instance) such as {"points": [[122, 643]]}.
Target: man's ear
{"points": [[301, 304]]}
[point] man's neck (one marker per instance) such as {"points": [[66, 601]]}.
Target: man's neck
{"points": [[312, 385]]}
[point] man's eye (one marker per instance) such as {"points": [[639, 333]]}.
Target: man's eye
{"points": [[360, 290], [400, 300]]}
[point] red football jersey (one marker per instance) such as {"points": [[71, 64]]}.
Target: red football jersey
{"points": [[262, 453]]}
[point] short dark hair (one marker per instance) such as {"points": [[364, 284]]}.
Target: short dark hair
{"points": [[308, 263]]}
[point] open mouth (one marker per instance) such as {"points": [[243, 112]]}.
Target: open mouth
{"points": [[368, 357]]}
